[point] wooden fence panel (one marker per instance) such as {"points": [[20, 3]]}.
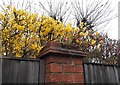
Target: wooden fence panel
{"points": [[41, 71], [0, 70], [98, 73], [13, 72], [6, 64], [22, 71]]}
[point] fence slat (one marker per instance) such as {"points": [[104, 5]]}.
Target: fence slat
{"points": [[23, 72], [33, 70], [41, 72], [98, 73], [116, 74], [6, 64], [0, 69], [14, 72], [17, 70], [86, 72]]}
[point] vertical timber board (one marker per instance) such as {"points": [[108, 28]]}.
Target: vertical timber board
{"points": [[118, 68], [104, 74], [33, 71], [116, 74], [14, 71], [101, 74], [91, 74], [0, 69], [36, 72], [41, 72], [98, 74], [113, 78], [30, 72], [95, 74], [23, 72], [108, 74], [86, 72], [6, 65]]}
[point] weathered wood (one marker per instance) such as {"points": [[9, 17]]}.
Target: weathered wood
{"points": [[41, 72], [0, 69], [6, 65], [86, 73], [98, 73], [16, 71], [116, 74], [33, 71], [23, 72], [13, 74]]}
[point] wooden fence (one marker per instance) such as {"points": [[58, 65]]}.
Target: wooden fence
{"points": [[16, 70], [32, 71], [99, 73]]}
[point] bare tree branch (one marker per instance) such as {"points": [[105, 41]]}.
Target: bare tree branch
{"points": [[92, 12]]}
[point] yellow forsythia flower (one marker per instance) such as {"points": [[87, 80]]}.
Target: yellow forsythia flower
{"points": [[18, 55], [97, 33], [68, 27], [82, 33], [81, 24], [93, 42], [2, 16], [9, 7], [84, 28], [77, 41], [33, 46]]}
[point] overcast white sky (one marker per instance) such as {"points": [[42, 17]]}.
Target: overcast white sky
{"points": [[111, 29]]}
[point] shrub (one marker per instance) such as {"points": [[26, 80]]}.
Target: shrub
{"points": [[24, 34]]}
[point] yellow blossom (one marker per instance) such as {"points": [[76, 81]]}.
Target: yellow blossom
{"points": [[84, 28], [93, 42], [18, 55], [97, 33], [81, 24], [82, 33], [2, 16], [33, 46], [68, 27], [9, 7]]}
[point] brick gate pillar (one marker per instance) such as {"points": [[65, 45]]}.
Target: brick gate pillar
{"points": [[62, 66]]}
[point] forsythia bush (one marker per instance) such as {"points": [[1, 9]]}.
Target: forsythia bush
{"points": [[24, 34]]}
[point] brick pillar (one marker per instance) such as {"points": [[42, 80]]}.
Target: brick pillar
{"points": [[62, 65]]}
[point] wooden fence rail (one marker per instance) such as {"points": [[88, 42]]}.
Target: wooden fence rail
{"points": [[16, 70], [98, 73]]}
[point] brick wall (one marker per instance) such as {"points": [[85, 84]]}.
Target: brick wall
{"points": [[62, 65]]}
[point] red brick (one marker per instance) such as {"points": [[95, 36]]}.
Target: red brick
{"points": [[79, 78], [68, 78], [77, 60], [54, 67], [73, 78], [58, 59], [72, 68], [53, 77], [65, 78]]}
